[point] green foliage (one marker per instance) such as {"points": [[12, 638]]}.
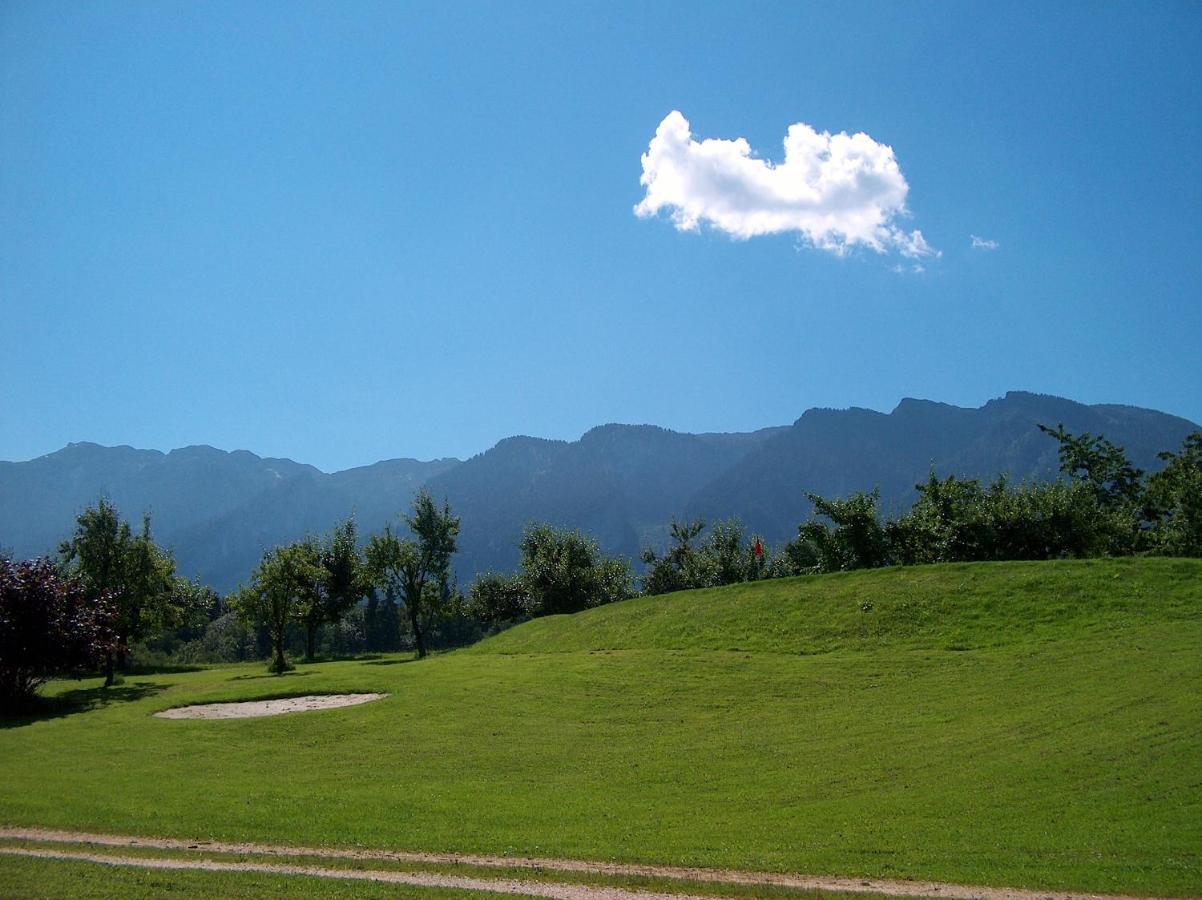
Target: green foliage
{"points": [[960, 521], [853, 540], [1100, 464], [676, 570], [345, 580], [564, 571], [417, 572], [282, 590], [1103, 507], [310, 582], [498, 600], [108, 558], [1173, 501], [948, 522], [724, 555], [381, 620], [727, 555], [226, 639], [335, 581]]}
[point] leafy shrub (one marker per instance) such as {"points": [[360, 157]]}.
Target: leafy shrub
{"points": [[497, 599], [564, 571], [855, 538], [48, 626]]}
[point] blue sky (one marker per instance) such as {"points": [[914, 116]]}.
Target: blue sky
{"points": [[342, 232]]}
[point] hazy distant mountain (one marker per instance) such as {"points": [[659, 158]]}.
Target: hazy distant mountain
{"points": [[620, 483], [218, 510]]}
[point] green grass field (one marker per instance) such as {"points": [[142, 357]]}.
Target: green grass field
{"points": [[1018, 724]]}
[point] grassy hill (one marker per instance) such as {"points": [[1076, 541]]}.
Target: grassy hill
{"points": [[945, 607], [1021, 724]]}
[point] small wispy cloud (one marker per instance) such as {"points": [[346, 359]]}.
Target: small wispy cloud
{"points": [[980, 243], [838, 191]]}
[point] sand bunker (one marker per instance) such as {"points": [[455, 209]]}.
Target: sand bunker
{"points": [[254, 708]]}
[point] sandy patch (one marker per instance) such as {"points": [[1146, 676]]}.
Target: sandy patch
{"points": [[254, 708]]}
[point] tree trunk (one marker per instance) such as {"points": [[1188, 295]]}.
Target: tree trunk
{"points": [[311, 626], [417, 633], [280, 665], [109, 677]]}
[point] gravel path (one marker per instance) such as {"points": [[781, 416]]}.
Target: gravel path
{"points": [[419, 879], [713, 876]]}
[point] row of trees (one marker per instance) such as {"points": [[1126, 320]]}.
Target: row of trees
{"points": [[1101, 506], [315, 582]]}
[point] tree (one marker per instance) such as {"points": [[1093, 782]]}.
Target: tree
{"points": [[345, 582], [417, 571], [1173, 501], [1099, 463], [564, 571], [49, 625], [857, 540], [335, 581], [949, 522], [497, 600], [725, 556], [381, 621], [132, 570], [676, 570], [280, 587]]}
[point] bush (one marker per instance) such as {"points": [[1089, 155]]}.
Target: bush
{"points": [[498, 600], [48, 627], [854, 540], [726, 556], [565, 571]]}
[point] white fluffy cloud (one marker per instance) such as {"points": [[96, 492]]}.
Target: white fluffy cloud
{"points": [[980, 243], [838, 191]]}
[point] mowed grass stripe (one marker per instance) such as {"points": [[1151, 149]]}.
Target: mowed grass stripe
{"points": [[1024, 725]]}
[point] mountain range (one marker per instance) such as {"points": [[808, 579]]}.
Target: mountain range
{"points": [[622, 484]]}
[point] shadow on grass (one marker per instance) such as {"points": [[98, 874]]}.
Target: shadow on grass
{"points": [[165, 669], [288, 674], [80, 700], [390, 662], [344, 657]]}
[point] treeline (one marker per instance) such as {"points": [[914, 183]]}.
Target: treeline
{"points": [[113, 594], [1102, 506]]}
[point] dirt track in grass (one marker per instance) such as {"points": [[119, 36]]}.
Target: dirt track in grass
{"points": [[502, 885]]}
